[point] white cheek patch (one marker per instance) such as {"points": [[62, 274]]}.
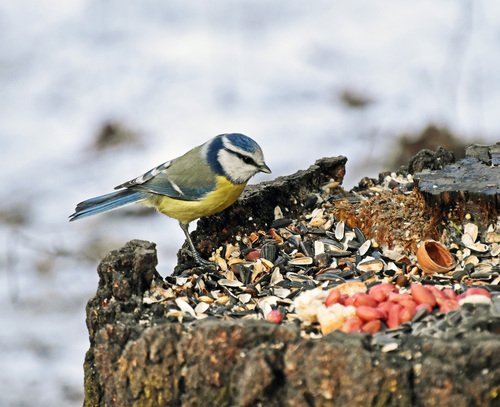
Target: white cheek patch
{"points": [[234, 168]]}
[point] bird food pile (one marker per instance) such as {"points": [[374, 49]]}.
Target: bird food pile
{"points": [[324, 274]]}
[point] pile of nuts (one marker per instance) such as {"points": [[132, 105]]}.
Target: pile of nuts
{"points": [[352, 307]]}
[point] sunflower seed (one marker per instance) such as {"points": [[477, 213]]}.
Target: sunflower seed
{"points": [[363, 249], [371, 265], [301, 261], [185, 307], [339, 230], [201, 307], [230, 283], [244, 298]]}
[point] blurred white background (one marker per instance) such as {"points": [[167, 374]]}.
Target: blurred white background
{"points": [[305, 79]]}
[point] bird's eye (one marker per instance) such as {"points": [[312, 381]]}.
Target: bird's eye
{"points": [[248, 160]]}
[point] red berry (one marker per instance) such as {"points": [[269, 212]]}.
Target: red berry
{"points": [[477, 291], [406, 314], [371, 327], [438, 294], [368, 313], [364, 299], [351, 325], [384, 307], [380, 292], [275, 316], [422, 295], [333, 297], [410, 304], [393, 317]]}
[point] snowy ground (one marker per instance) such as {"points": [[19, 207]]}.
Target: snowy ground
{"points": [[181, 72]]}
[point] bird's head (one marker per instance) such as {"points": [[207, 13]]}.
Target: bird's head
{"points": [[236, 156]]}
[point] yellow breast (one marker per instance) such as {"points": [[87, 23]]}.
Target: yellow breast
{"points": [[219, 199]]}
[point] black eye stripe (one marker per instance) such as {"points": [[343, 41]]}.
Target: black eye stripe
{"points": [[244, 158]]}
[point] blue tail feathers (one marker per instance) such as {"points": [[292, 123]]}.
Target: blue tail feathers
{"points": [[106, 202]]}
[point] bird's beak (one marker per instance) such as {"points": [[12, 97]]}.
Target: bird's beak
{"points": [[265, 168]]}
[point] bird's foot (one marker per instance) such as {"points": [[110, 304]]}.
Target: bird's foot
{"points": [[202, 262]]}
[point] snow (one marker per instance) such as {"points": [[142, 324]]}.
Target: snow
{"points": [[179, 73]]}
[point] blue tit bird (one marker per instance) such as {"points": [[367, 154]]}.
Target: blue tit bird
{"points": [[203, 181]]}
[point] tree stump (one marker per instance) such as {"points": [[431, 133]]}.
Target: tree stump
{"points": [[469, 186], [149, 353]]}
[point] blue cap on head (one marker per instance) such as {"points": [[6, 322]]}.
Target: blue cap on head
{"points": [[242, 141]]}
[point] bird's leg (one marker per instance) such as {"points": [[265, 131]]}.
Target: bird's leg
{"points": [[201, 261]]}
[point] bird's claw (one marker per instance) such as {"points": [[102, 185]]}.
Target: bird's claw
{"points": [[202, 262]]}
